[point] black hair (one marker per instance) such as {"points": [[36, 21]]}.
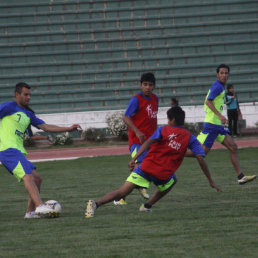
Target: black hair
{"points": [[175, 102], [20, 85], [230, 86], [148, 77], [178, 113], [222, 66]]}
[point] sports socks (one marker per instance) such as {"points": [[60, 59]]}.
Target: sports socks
{"points": [[147, 206], [240, 176]]}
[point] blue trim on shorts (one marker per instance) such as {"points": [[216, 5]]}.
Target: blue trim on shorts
{"points": [[11, 157], [212, 131], [153, 179]]}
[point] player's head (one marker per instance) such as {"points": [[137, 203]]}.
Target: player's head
{"points": [[148, 82], [230, 87], [223, 73], [178, 114], [222, 66], [22, 94], [173, 102], [20, 85], [148, 77]]}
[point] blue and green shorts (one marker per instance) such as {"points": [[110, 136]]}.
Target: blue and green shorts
{"points": [[143, 179], [16, 163], [212, 133], [134, 149]]}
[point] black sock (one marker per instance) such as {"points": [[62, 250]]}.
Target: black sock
{"points": [[240, 176], [147, 206]]}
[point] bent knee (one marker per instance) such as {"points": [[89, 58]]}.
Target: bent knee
{"points": [[233, 147]]}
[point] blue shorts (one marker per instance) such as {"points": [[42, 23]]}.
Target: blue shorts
{"points": [[133, 150], [212, 133], [16, 163], [143, 179]]}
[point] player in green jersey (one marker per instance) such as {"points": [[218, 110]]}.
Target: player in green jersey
{"points": [[213, 128], [15, 119]]}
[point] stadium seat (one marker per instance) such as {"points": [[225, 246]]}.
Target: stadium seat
{"points": [[69, 50]]}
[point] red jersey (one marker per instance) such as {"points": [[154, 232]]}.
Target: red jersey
{"points": [[165, 156], [145, 119]]}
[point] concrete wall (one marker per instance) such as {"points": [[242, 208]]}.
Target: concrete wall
{"points": [[97, 119]]}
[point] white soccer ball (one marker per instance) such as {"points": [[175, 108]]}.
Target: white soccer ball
{"points": [[55, 205]]}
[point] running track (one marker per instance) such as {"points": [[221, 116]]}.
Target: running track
{"points": [[74, 153]]}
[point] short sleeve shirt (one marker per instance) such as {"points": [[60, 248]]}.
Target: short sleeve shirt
{"points": [[14, 122]]}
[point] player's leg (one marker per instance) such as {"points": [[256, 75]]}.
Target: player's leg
{"points": [[134, 179], [162, 190], [37, 181], [229, 143], [235, 119], [109, 197], [33, 191], [125, 190], [142, 190], [230, 121], [206, 138]]}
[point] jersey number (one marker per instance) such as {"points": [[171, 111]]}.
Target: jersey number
{"points": [[19, 115]]}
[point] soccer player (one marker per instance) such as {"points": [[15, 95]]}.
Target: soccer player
{"points": [[141, 119], [213, 129], [15, 118], [167, 150]]}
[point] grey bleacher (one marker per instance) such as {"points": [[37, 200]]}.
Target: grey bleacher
{"points": [[89, 55]]}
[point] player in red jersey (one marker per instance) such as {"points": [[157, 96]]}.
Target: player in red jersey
{"points": [[167, 148], [141, 119]]}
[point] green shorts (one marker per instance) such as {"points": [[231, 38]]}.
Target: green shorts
{"points": [[145, 179]]}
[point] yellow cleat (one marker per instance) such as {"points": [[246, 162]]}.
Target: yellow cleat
{"points": [[120, 202], [246, 179], [90, 209], [143, 192]]}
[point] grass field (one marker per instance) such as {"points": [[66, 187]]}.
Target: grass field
{"points": [[193, 220]]}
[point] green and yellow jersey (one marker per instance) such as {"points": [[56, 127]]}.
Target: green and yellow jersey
{"points": [[14, 122], [216, 94]]}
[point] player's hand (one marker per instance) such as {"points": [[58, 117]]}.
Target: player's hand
{"points": [[131, 165], [141, 136], [75, 127], [215, 187], [223, 119]]}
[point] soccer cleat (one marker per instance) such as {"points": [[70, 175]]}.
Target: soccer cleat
{"points": [[90, 209], [143, 208], [120, 202], [144, 193], [31, 215], [246, 179], [46, 211]]}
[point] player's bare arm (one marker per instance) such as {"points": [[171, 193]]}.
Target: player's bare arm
{"points": [[210, 104], [146, 145], [206, 172], [55, 128], [128, 121]]}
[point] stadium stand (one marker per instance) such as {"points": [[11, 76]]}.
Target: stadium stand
{"points": [[88, 55]]}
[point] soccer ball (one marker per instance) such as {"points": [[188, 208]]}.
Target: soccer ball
{"points": [[56, 206]]}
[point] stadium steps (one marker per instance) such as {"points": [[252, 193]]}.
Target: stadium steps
{"points": [[106, 45]]}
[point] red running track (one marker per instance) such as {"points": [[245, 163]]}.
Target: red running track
{"points": [[74, 153]]}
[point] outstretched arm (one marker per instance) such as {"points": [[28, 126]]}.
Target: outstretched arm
{"points": [[206, 171], [142, 149], [56, 128]]}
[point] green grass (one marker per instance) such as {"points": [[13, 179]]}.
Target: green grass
{"points": [[191, 221]]}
